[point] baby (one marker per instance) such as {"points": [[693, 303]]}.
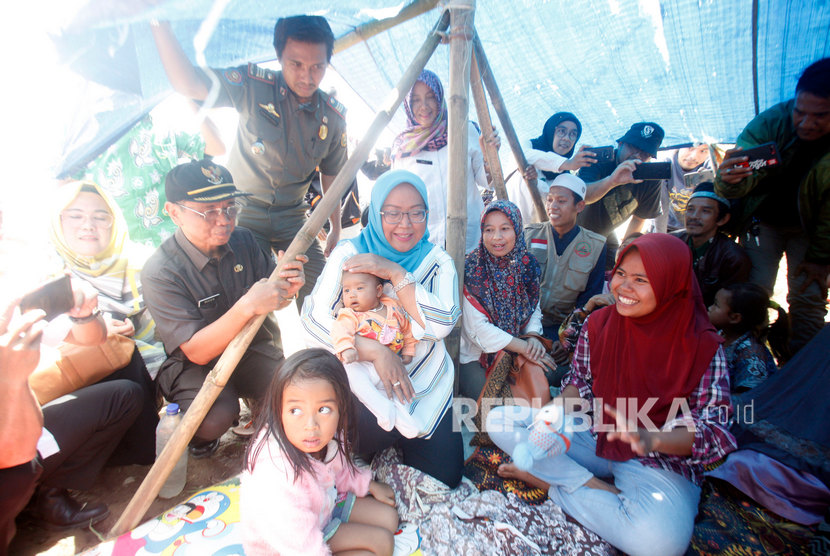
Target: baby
{"points": [[369, 313]]}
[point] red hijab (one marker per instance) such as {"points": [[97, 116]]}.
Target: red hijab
{"points": [[659, 356]]}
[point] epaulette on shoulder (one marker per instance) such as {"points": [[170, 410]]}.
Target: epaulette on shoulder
{"points": [[261, 74], [337, 106]]}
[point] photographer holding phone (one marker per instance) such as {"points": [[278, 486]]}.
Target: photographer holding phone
{"points": [[613, 194], [551, 154], [786, 208], [64, 444]]}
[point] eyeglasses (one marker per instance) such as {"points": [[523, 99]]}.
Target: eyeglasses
{"points": [[212, 215], [563, 132], [98, 219], [396, 216]]}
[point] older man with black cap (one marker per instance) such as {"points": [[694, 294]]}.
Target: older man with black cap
{"points": [[202, 286], [718, 260], [613, 194]]}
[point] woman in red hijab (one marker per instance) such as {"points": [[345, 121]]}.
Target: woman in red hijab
{"points": [[653, 372]]}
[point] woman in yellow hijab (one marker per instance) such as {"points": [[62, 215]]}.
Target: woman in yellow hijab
{"points": [[90, 235]]}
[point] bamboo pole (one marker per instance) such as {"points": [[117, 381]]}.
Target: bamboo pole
{"points": [[461, 30], [462, 13], [491, 154], [507, 125], [218, 377], [372, 28]]}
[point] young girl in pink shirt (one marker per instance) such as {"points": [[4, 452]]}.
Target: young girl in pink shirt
{"points": [[301, 493]]}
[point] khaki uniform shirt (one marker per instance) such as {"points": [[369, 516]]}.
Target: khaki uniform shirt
{"points": [[279, 142]]}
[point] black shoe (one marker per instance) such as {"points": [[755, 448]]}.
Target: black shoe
{"points": [[56, 509], [203, 449]]}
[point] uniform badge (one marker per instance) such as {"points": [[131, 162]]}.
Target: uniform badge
{"points": [[270, 112], [257, 148], [233, 76], [212, 174], [238, 268], [343, 140], [282, 91], [582, 249], [270, 109], [323, 132]]}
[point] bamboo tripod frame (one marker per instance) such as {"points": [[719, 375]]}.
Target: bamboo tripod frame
{"points": [[220, 374], [218, 377]]}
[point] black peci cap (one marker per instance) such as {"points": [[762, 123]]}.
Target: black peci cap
{"points": [[200, 181]]}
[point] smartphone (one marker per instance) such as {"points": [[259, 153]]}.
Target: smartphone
{"points": [[54, 298], [693, 179], [759, 157], [604, 154], [653, 171]]}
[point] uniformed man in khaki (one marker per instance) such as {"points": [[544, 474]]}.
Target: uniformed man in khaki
{"points": [[568, 255], [288, 130]]}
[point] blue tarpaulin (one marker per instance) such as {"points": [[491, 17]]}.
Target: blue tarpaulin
{"points": [[697, 67]]}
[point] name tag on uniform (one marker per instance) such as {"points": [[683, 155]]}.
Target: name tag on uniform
{"points": [[538, 244], [419, 161], [209, 301]]}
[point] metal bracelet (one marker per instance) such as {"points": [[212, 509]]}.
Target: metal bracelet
{"points": [[407, 280]]}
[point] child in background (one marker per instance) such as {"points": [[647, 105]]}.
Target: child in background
{"points": [[739, 312], [301, 493], [369, 313]]}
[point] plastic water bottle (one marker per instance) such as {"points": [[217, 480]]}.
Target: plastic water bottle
{"points": [[178, 477]]}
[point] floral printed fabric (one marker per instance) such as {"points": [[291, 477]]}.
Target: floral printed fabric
{"points": [[466, 521], [132, 171]]}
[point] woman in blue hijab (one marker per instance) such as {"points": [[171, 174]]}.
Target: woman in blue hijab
{"points": [[394, 246]]}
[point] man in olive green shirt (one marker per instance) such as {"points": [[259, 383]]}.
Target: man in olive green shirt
{"points": [[288, 130]]}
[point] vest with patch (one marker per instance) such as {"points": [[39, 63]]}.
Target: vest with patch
{"points": [[563, 277]]}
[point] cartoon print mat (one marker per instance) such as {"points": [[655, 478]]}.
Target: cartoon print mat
{"points": [[205, 524]]}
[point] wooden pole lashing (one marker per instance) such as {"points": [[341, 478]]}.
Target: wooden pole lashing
{"points": [[491, 154], [219, 375], [504, 118]]}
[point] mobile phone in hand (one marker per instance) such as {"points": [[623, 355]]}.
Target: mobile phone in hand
{"points": [[652, 171], [54, 298], [759, 157], [603, 154]]}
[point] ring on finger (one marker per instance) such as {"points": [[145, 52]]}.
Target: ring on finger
{"points": [[396, 384]]}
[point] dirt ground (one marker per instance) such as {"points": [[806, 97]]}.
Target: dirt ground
{"points": [[115, 487]]}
